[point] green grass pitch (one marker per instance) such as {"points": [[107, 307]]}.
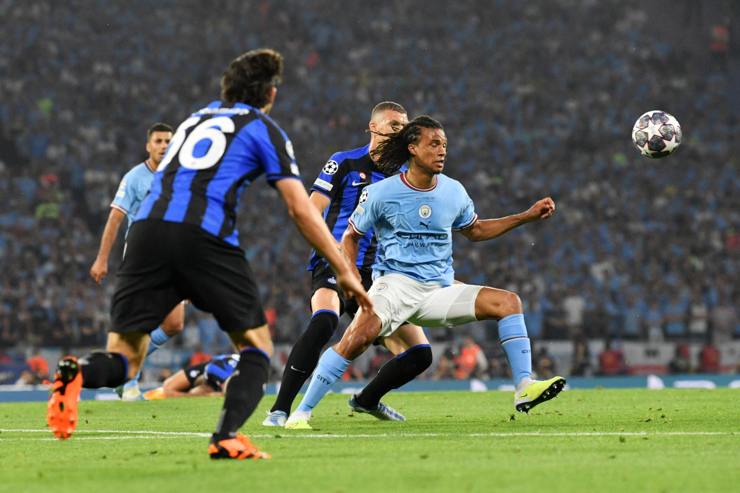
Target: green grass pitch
{"points": [[588, 440]]}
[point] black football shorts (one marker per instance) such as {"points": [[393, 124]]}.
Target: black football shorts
{"points": [[323, 277], [168, 262]]}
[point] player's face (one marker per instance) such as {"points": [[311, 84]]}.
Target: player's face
{"points": [[430, 152], [387, 122], [157, 145]]}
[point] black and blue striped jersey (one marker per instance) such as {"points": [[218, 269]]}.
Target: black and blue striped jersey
{"points": [[342, 179], [212, 157]]}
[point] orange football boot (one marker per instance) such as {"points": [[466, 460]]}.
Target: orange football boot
{"points": [[61, 414], [155, 394], [239, 447]]}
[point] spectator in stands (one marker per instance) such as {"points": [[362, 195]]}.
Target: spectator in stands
{"points": [[581, 357], [698, 315], [574, 306], [709, 358], [470, 361], [675, 312], [38, 367], [445, 365], [681, 362], [611, 361], [544, 365]]}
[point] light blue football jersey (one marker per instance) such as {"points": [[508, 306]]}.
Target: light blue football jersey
{"points": [[132, 190], [414, 227]]}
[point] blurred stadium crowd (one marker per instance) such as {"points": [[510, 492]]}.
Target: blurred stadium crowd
{"points": [[538, 98]]}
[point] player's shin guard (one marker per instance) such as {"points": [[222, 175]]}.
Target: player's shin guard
{"points": [[103, 369], [304, 356], [331, 367], [397, 372], [512, 333], [243, 392]]}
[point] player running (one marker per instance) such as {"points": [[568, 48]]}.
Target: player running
{"points": [[131, 192], [413, 216], [184, 244], [201, 380], [335, 193]]}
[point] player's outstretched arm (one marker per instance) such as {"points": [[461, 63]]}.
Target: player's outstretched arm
{"points": [[486, 229], [314, 229], [99, 268]]}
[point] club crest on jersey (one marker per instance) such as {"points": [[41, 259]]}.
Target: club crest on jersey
{"points": [[363, 196], [425, 211], [331, 167]]}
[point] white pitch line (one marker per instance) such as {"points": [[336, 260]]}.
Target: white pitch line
{"points": [[148, 434]]}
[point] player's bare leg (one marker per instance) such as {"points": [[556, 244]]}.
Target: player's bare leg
{"points": [[506, 307], [171, 326], [360, 334], [243, 392], [413, 355], [123, 358]]}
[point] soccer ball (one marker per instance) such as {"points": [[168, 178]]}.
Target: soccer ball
{"points": [[656, 134]]}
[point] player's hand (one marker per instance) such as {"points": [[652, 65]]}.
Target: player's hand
{"points": [[352, 288], [99, 270], [542, 209]]}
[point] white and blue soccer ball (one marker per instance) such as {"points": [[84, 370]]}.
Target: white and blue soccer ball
{"points": [[656, 134]]}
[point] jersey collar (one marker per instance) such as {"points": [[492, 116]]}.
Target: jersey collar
{"points": [[416, 189]]}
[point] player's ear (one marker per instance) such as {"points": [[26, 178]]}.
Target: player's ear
{"points": [[412, 149]]}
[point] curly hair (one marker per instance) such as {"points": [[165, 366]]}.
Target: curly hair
{"points": [[393, 152], [249, 77]]}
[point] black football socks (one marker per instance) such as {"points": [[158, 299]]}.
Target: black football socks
{"points": [[304, 357], [397, 372], [103, 369], [243, 392]]}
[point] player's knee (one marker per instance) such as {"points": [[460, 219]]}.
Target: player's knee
{"points": [[510, 304], [496, 304], [424, 358], [173, 327]]}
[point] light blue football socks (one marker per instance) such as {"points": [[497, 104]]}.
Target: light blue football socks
{"points": [[331, 367], [512, 332]]}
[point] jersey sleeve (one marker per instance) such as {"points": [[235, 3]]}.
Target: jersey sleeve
{"points": [[330, 178], [366, 213], [467, 216], [276, 152], [126, 194]]}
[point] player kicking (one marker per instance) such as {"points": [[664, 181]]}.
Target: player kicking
{"points": [[413, 216], [184, 244], [335, 193], [201, 380], [131, 192]]}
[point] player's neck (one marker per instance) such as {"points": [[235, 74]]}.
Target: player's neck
{"points": [[420, 179], [151, 165]]}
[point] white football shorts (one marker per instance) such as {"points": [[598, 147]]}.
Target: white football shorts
{"points": [[398, 299]]}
